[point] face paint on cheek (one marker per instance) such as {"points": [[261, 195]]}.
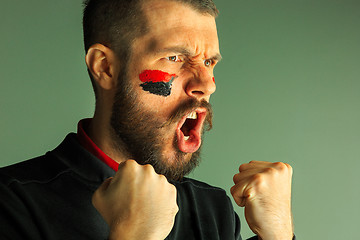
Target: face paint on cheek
{"points": [[214, 79], [157, 82]]}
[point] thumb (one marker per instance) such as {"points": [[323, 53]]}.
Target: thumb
{"points": [[97, 196]]}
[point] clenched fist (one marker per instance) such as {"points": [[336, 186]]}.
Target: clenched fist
{"points": [[137, 203], [264, 189]]}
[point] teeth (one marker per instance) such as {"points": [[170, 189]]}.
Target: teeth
{"points": [[186, 138], [192, 115]]}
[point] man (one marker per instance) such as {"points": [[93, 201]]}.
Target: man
{"points": [[151, 64]]}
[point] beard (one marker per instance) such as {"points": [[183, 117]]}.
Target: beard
{"points": [[142, 136]]}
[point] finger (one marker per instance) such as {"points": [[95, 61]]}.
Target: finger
{"points": [[127, 169], [282, 166], [244, 175], [253, 164], [124, 164], [97, 196], [267, 167], [237, 191], [104, 186]]}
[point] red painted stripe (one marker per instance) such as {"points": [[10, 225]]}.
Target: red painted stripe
{"points": [[155, 76]]}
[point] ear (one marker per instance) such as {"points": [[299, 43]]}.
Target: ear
{"points": [[103, 65]]}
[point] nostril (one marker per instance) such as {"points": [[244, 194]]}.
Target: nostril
{"points": [[200, 87], [197, 93]]}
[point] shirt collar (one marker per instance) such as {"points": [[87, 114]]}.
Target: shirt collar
{"points": [[89, 145]]}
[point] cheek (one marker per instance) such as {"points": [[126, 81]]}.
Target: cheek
{"points": [[157, 82]]}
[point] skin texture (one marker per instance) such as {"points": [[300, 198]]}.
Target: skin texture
{"points": [[193, 42], [264, 189], [149, 202], [195, 45], [190, 50]]}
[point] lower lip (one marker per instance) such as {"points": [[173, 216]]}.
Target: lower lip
{"points": [[194, 142], [191, 145]]}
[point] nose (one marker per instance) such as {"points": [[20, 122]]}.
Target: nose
{"points": [[201, 85]]}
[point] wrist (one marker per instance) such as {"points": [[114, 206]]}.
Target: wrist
{"points": [[131, 234], [278, 236]]}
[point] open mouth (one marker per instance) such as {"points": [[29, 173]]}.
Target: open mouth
{"points": [[189, 131]]}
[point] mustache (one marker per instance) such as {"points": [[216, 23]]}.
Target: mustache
{"points": [[191, 106]]}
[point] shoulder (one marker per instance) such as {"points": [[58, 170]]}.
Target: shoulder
{"points": [[38, 169], [68, 161]]}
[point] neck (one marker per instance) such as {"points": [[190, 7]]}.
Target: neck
{"points": [[99, 131]]}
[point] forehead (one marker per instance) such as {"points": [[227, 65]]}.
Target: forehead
{"points": [[172, 23]]}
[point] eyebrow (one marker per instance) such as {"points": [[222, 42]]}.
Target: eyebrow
{"points": [[217, 57], [185, 51]]}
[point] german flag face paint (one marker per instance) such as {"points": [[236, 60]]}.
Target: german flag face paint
{"points": [[157, 82]]}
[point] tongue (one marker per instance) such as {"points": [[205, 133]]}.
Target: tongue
{"points": [[192, 144]]}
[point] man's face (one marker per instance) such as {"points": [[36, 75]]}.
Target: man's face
{"points": [[162, 101]]}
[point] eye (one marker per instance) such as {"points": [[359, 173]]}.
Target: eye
{"points": [[174, 58], [208, 62]]}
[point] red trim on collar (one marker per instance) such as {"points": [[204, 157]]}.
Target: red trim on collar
{"points": [[89, 145]]}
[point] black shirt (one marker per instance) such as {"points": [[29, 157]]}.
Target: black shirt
{"points": [[49, 197]]}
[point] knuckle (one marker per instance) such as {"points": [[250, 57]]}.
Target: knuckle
{"points": [[163, 178], [175, 206], [258, 179], [232, 190], [95, 199], [149, 168], [173, 196], [148, 171], [129, 164], [236, 178], [269, 170], [280, 165], [128, 168], [243, 167], [173, 189], [163, 181], [291, 170], [175, 209], [257, 176], [289, 167]]}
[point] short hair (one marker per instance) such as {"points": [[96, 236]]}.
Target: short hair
{"points": [[117, 23]]}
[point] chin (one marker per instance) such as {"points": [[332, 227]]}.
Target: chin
{"points": [[177, 156]]}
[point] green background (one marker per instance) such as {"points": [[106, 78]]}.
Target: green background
{"points": [[288, 89]]}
